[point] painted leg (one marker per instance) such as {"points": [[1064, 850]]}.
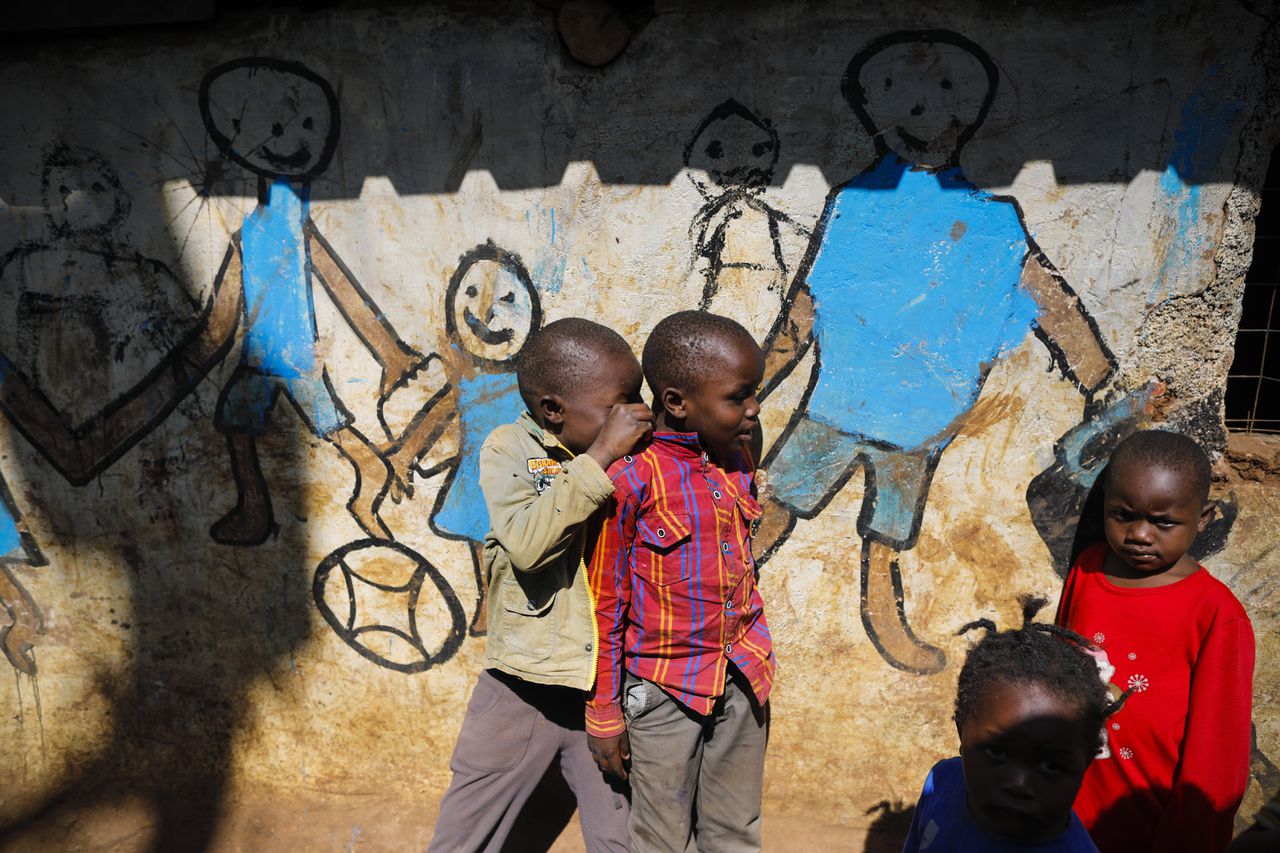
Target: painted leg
{"points": [[26, 623], [251, 522], [775, 526], [480, 621], [883, 615], [372, 477]]}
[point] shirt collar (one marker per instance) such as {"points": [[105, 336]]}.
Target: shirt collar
{"points": [[549, 441], [682, 445]]}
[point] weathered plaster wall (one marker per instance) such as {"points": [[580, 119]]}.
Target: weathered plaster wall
{"points": [[1114, 155]]}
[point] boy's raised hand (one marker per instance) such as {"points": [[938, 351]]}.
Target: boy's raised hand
{"points": [[611, 753], [624, 427]]}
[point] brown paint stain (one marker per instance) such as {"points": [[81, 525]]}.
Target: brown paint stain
{"points": [[975, 542], [958, 229], [991, 410]]}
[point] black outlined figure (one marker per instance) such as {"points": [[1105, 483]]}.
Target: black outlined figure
{"points": [[24, 622], [99, 334], [374, 571], [491, 309], [737, 234], [915, 281], [280, 121]]}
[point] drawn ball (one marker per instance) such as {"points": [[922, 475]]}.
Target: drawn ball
{"points": [[390, 605]]}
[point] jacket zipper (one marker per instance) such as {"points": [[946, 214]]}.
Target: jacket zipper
{"points": [[591, 598], [595, 625]]}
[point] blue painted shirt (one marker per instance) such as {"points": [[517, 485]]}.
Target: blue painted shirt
{"points": [[942, 822], [916, 283], [486, 401], [280, 331]]}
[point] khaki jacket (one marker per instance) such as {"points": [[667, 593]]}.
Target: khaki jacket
{"points": [[541, 613]]}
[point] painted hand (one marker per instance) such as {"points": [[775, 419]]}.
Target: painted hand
{"points": [[400, 369]]}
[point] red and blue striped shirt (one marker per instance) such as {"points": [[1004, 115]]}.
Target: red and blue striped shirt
{"points": [[674, 580]]}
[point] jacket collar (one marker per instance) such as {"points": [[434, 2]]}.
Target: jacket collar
{"points": [[549, 441]]}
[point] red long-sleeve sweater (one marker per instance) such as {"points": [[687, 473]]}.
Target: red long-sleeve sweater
{"points": [[1176, 762]]}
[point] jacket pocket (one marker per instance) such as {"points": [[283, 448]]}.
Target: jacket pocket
{"points": [[529, 627], [660, 535]]}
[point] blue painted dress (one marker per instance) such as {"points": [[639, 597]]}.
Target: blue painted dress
{"points": [[486, 401]]}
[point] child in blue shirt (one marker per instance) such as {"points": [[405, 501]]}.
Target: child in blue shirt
{"points": [[1029, 711]]}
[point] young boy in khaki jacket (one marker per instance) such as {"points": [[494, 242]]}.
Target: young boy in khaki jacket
{"points": [[544, 480]]}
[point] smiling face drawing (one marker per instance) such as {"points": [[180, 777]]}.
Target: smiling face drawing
{"points": [[278, 119], [921, 95], [734, 147], [491, 306]]}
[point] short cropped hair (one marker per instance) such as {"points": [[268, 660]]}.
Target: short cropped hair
{"points": [[1170, 451], [681, 347], [1037, 654], [557, 358]]}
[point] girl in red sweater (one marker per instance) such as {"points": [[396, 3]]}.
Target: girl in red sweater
{"points": [[1174, 764]]}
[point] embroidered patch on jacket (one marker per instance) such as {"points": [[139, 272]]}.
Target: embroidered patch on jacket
{"points": [[544, 470]]}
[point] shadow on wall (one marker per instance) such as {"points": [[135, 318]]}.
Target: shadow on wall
{"points": [[888, 832], [621, 118]]}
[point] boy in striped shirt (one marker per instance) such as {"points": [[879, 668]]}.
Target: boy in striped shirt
{"points": [[686, 662]]}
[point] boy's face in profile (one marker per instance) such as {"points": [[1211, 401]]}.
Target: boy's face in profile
{"points": [[1151, 515], [722, 408], [1024, 752], [613, 379]]}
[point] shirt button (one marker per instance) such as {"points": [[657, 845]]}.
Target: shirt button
{"points": [[628, 459], [728, 648], [588, 647], [716, 495], [728, 605], [724, 546], [662, 534]]}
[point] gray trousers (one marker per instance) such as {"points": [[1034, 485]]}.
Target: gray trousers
{"points": [[696, 781], [512, 733]]}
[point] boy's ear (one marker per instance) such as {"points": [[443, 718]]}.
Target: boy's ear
{"points": [[551, 412], [672, 400], [1206, 515]]}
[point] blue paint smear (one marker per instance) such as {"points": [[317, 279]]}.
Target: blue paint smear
{"points": [[548, 275], [908, 313], [485, 402], [280, 332], [1204, 129], [10, 539], [553, 226]]}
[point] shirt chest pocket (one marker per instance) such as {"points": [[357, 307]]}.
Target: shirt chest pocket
{"points": [[662, 553]]}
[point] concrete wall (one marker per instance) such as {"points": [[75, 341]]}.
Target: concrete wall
{"points": [[194, 629]]}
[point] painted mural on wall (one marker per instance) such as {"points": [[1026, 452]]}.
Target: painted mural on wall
{"points": [[908, 222], [915, 281], [491, 309], [903, 330], [24, 622], [737, 234], [281, 121]]}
